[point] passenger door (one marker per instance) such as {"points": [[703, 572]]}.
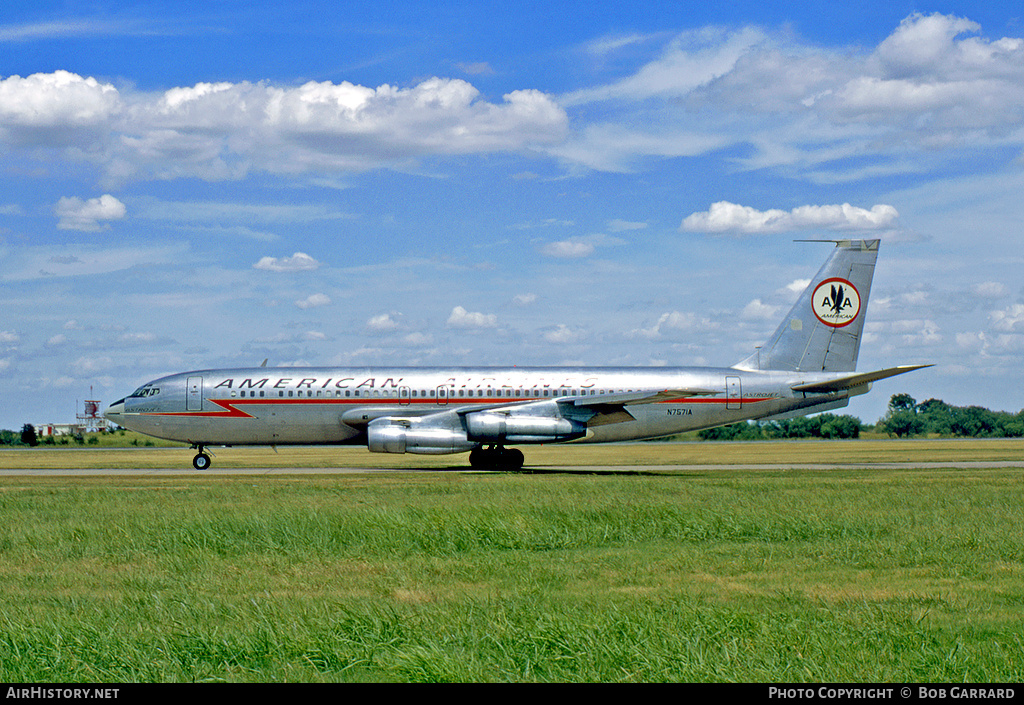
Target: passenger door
{"points": [[194, 394], [733, 393]]}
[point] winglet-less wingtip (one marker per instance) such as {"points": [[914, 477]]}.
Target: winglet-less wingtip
{"points": [[836, 385]]}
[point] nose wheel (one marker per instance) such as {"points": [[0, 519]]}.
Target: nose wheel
{"points": [[202, 460]]}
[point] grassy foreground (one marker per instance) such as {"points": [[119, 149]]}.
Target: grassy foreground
{"points": [[712, 575], [538, 457]]}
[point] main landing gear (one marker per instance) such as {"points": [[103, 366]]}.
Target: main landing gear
{"points": [[202, 460], [496, 458]]}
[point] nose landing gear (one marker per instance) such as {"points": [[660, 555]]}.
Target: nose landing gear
{"points": [[202, 460]]}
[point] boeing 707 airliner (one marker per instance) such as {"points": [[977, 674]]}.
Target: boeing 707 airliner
{"points": [[807, 366]]}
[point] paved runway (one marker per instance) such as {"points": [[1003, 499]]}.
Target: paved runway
{"points": [[568, 469]]}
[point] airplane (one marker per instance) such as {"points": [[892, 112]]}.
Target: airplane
{"points": [[807, 366]]}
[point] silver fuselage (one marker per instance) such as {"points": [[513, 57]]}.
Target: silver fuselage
{"points": [[324, 405]]}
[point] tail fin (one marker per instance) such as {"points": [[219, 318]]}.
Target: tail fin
{"points": [[822, 331]]}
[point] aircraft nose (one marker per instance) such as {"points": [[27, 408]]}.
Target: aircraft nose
{"points": [[114, 411]]}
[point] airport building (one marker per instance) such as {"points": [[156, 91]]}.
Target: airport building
{"points": [[89, 421]]}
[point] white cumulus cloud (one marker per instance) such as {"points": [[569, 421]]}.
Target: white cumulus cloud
{"points": [[758, 310], [58, 100], [225, 130], [1010, 320], [298, 262], [313, 301], [461, 318], [794, 289], [92, 215], [726, 217], [383, 323], [563, 335]]}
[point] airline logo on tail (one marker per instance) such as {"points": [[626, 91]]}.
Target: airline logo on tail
{"points": [[836, 302]]}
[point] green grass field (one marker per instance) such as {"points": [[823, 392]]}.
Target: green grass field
{"points": [[704, 575], [178, 456]]}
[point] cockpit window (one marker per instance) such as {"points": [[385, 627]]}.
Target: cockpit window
{"points": [[146, 392]]}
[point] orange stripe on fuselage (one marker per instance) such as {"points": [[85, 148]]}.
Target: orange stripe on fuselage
{"points": [[229, 408]]}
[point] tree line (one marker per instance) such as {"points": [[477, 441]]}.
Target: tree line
{"points": [[29, 437], [904, 418], [820, 426], [26, 437]]}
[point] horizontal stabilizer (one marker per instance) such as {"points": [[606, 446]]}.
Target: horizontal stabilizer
{"points": [[838, 385]]}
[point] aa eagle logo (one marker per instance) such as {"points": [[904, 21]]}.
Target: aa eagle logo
{"points": [[836, 302]]}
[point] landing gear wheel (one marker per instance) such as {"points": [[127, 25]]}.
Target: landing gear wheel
{"points": [[513, 460], [478, 459], [201, 461], [496, 458]]}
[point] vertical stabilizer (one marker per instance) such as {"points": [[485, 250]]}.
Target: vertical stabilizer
{"points": [[823, 330]]}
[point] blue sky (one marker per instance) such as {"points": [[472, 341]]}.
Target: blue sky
{"points": [[195, 185]]}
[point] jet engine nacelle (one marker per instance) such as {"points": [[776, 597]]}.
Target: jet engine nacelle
{"points": [[396, 438], [486, 427]]}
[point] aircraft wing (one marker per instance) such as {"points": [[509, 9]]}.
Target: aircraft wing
{"points": [[851, 381], [578, 407], [631, 398], [612, 408], [596, 410]]}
